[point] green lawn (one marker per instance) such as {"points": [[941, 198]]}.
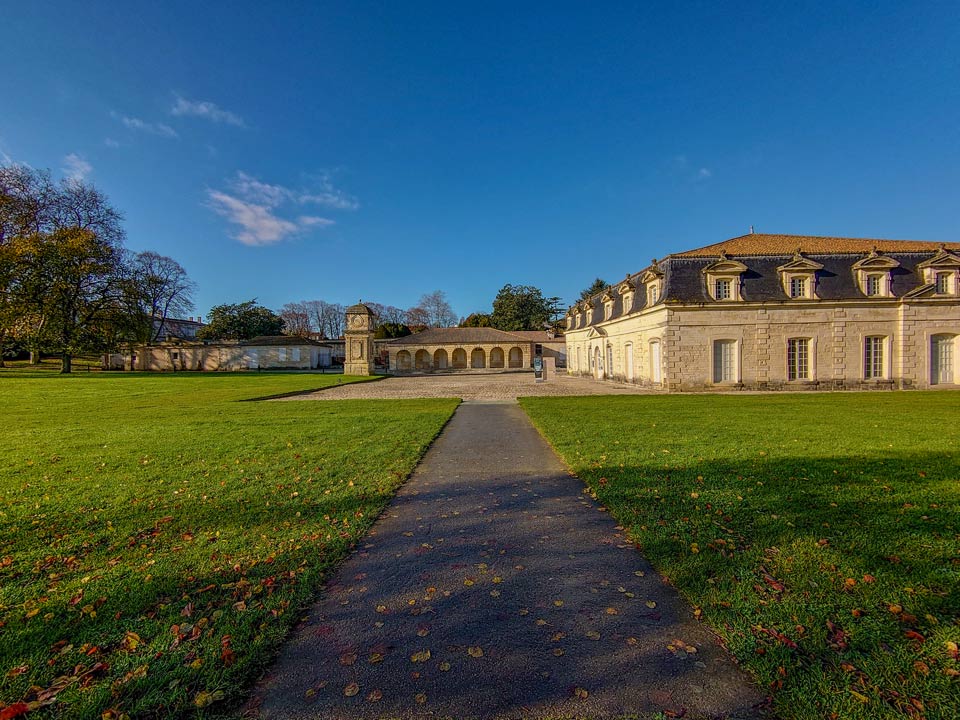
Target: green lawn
{"points": [[818, 534], [158, 539]]}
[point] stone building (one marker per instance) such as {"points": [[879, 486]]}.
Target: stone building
{"points": [[266, 352], [778, 312], [448, 349]]}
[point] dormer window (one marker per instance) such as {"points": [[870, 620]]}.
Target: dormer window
{"points": [[607, 300], [723, 278], [799, 277], [940, 273], [873, 274], [652, 281], [626, 290]]}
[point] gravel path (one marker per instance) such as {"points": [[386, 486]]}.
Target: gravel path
{"points": [[493, 386], [493, 587]]}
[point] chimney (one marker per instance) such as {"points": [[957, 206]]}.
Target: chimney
{"points": [[199, 319]]}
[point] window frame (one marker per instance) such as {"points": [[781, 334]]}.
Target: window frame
{"points": [[875, 368], [792, 356], [734, 361]]}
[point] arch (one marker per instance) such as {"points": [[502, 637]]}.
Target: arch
{"points": [[403, 360], [515, 357], [629, 361], [421, 361], [440, 359], [597, 363], [609, 373], [478, 358], [459, 358], [496, 357]]}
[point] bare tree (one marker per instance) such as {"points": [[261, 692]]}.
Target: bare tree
{"points": [[418, 317], [388, 313], [328, 319], [296, 319], [163, 290], [439, 312]]}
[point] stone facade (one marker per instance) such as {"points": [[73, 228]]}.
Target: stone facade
{"points": [[465, 349], [279, 352], [778, 312], [358, 341]]}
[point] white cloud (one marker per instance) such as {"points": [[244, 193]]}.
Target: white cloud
{"points": [[75, 167], [205, 109], [256, 208], [111, 143], [704, 173], [148, 127], [329, 196]]}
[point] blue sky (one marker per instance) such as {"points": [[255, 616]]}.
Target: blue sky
{"points": [[381, 150]]}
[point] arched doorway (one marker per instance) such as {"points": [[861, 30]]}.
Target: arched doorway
{"points": [[515, 357], [496, 358], [597, 363], [459, 358], [403, 360], [478, 359], [440, 359], [421, 361]]}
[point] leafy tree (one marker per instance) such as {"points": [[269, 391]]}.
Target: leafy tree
{"points": [[520, 307], [476, 320], [596, 286], [240, 321], [437, 309], [67, 293], [391, 330], [62, 265]]}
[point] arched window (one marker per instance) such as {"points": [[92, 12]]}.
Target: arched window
{"points": [[478, 359], [656, 369], [403, 360], [515, 357], [628, 361], [440, 359], [459, 358], [496, 358], [421, 361]]}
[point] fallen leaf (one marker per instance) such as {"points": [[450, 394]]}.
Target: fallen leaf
{"points": [[612, 611], [639, 573], [860, 696], [444, 666], [423, 631], [348, 658], [13, 711], [421, 656], [558, 652], [381, 608], [351, 689], [580, 693], [420, 698], [374, 695], [651, 604], [558, 603], [593, 635], [558, 636], [375, 657], [475, 651]]}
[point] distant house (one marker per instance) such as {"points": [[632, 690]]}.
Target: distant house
{"points": [[778, 312], [166, 329], [452, 349], [267, 352]]}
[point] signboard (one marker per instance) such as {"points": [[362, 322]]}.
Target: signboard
{"points": [[538, 369]]}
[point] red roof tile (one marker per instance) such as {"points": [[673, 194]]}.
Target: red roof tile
{"points": [[763, 244]]}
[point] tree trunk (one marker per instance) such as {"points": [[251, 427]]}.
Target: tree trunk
{"points": [[66, 364], [34, 357]]}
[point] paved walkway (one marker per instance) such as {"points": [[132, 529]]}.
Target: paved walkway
{"points": [[486, 386], [493, 587]]}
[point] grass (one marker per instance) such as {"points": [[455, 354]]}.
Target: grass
{"points": [[158, 538], [818, 534]]}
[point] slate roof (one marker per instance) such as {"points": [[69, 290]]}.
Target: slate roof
{"points": [[280, 341], [461, 336], [685, 282]]}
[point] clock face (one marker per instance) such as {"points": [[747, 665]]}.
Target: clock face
{"points": [[357, 321]]}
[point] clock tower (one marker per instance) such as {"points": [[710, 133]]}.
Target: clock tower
{"points": [[358, 340]]}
